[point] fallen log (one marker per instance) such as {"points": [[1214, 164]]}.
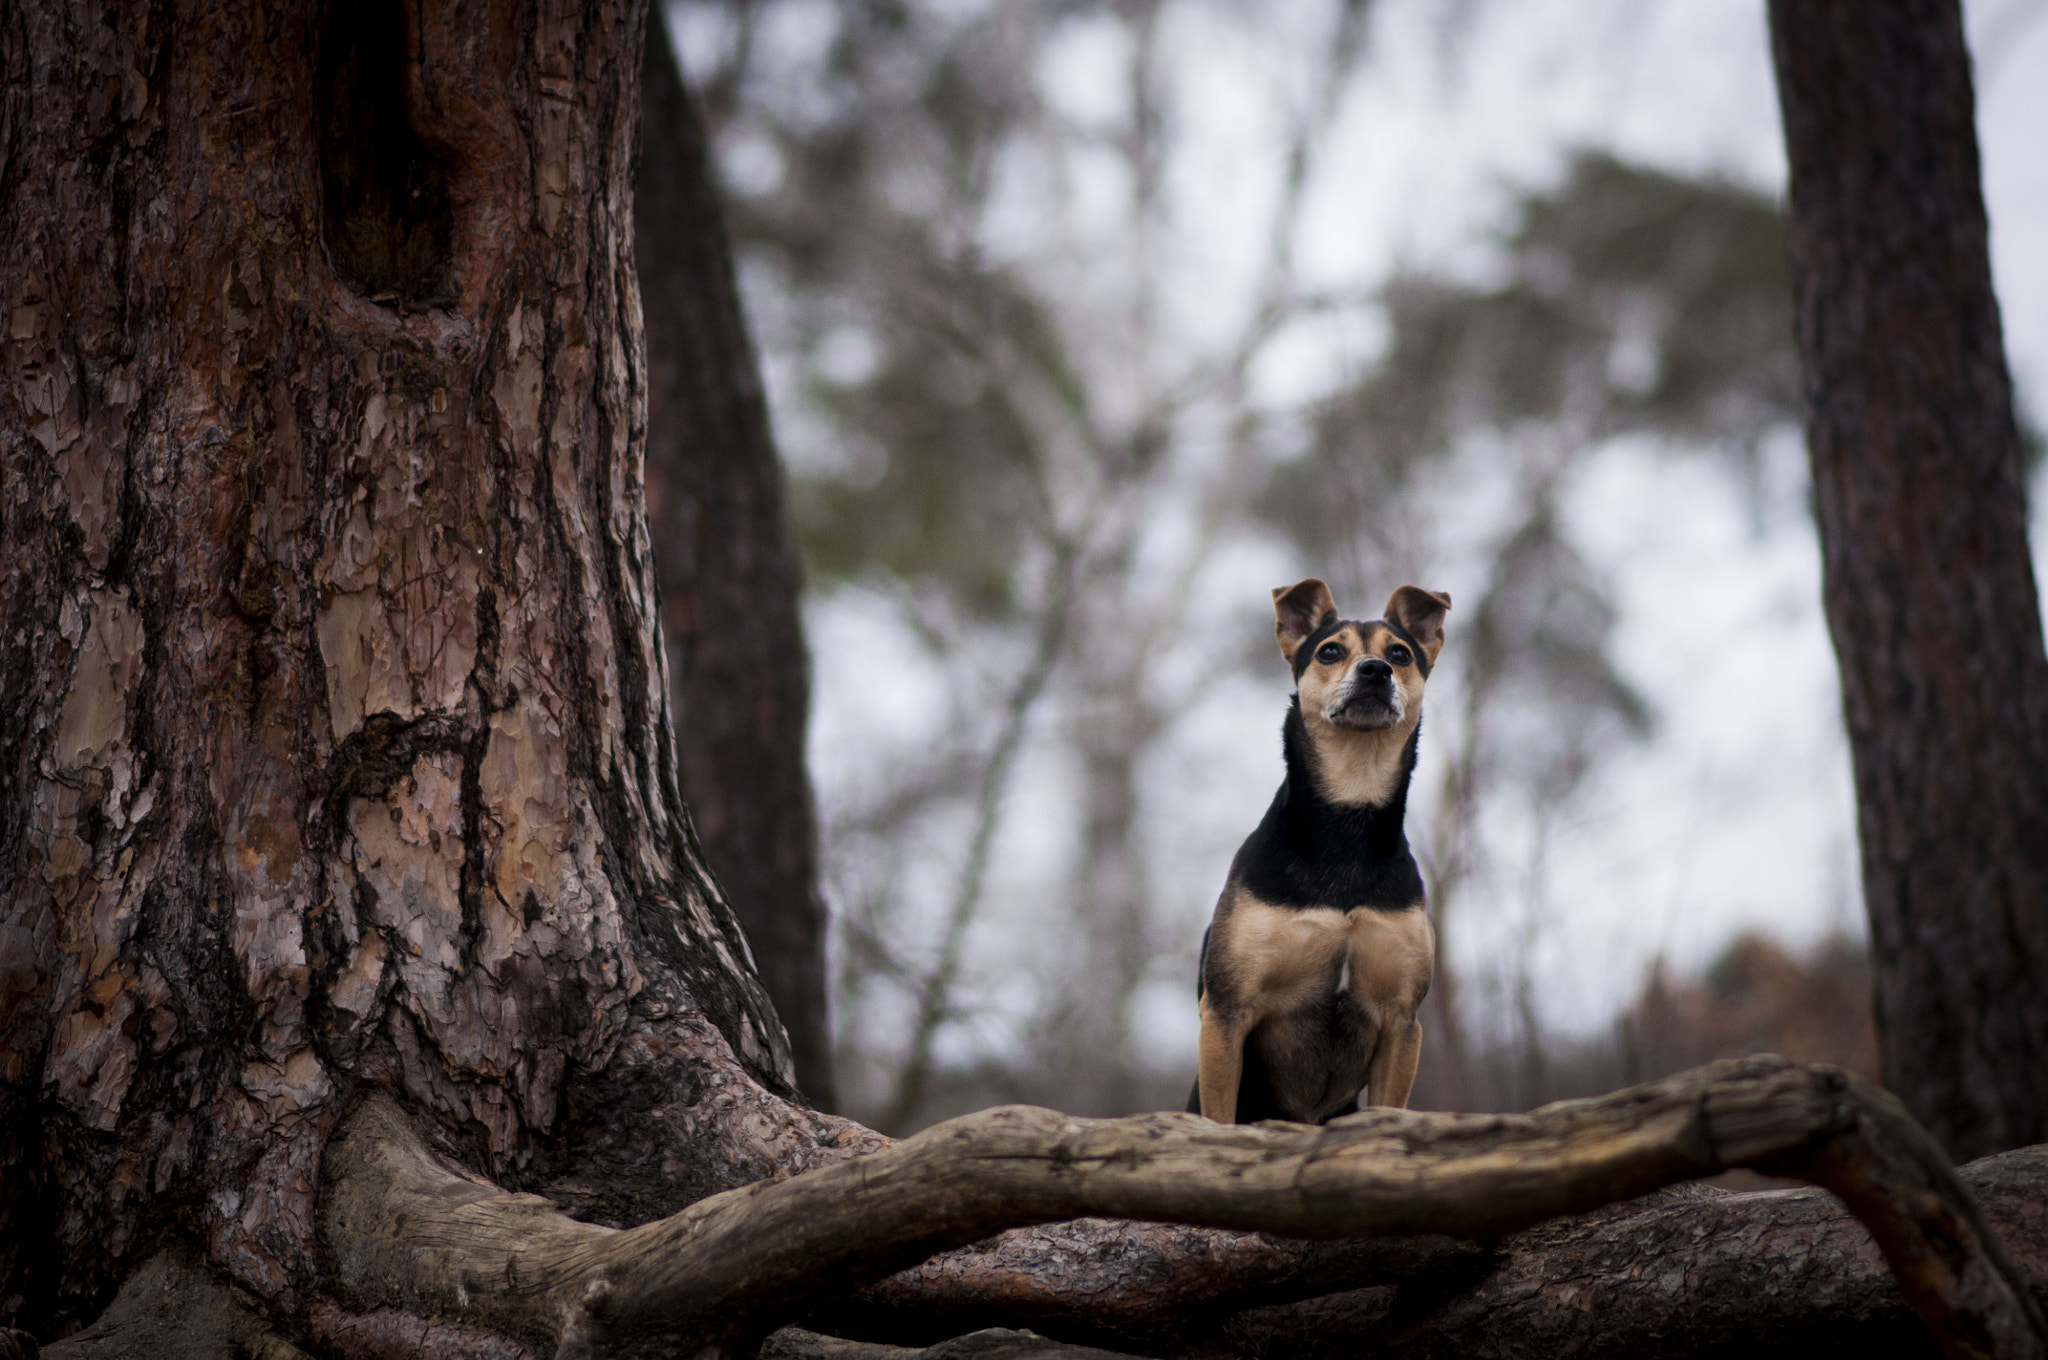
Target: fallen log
{"points": [[406, 1230], [1694, 1270], [1150, 1288], [1690, 1271]]}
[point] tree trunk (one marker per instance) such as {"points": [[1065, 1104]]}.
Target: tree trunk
{"points": [[1089, 1043], [726, 565], [1930, 593], [335, 742]]}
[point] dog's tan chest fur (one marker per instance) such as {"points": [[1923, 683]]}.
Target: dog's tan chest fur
{"points": [[1283, 958], [1285, 966]]}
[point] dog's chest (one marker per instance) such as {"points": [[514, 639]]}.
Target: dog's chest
{"points": [[1292, 959], [1324, 984]]}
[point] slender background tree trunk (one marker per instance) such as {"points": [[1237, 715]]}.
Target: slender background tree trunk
{"points": [[727, 566], [1930, 593]]}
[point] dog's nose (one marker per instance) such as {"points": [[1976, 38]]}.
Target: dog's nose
{"points": [[1372, 668]]}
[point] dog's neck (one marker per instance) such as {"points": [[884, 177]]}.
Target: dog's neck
{"points": [[1357, 779]]}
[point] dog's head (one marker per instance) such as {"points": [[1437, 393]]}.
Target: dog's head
{"points": [[1361, 677]]}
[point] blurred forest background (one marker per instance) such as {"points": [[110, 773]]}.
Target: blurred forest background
{"points": [[1085, 323]]}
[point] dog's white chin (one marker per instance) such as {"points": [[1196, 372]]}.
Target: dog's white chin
{"points": [[1364, 718]]}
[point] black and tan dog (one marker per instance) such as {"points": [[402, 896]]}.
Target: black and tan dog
{"points": [[1320, 950]]}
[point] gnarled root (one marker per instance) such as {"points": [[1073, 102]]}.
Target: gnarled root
{"points": [[793, 1343], [172, 1305], [1691, 1271], [407, 1230]]}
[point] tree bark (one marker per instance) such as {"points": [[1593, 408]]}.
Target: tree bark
{"points": [[1694, 1270], [173, 1306], [726, 564], [995, 1343], [1690, 1271], [1929, 589], [336, 750]]}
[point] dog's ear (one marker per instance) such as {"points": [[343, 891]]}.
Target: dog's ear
{"points": [[1421, 612], [1298, 611]]}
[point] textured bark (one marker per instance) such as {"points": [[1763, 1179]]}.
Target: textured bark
{"points": [[173, 1306], [1930, 592], [335, 736], [793, 1343], [405, 1230], [1690, 1271], [726, 563], [1154, 1288]]}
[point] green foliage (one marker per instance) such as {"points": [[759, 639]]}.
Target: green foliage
{"points": [[1691, 273], [1634, 302], [884, 146]]}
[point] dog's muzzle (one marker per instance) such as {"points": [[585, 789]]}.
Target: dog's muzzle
{"points": [[1369, 699]]}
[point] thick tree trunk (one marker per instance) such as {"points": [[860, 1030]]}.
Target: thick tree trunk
{"points": [[335, 741], [1929, 589], [726, 564]]}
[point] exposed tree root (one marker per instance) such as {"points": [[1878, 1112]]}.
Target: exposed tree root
{"points": [[1692, 1271], [406, 1230], [1689, 1271], [996, 1343], [390, 1335], [172, 1306], [1154, 1288]]}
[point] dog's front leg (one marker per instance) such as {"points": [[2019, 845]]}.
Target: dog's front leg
{"points": [[1221, 1063], [1391, 1074]]}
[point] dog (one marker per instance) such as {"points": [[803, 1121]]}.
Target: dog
{"points": [[1320, 951]]}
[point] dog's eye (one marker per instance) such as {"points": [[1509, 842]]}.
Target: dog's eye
{"points": [[1330, 652], [1399, 655]]}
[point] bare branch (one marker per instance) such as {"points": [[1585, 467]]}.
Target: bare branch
{"points": [[935, 996]]}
